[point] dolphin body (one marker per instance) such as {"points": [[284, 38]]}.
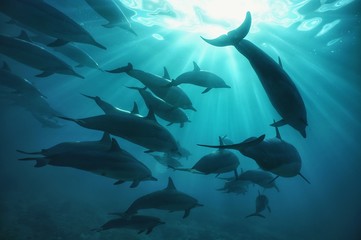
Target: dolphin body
{"points": [[140, 223], [261, 204], [174, 95], [69, 50], [274, 155], [163, 109], [200, 78], [34, 56], [103, 144], [167, 199], [144, 131], [114, 163], [111, 11], [278, 85], [17, 83], [235, 186], [220, 161], [41, 17], [261, 178]]}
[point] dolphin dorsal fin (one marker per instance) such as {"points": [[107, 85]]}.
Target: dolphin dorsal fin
{"points": [[170, 185], [278, 135], [280, 62], [6, 67], [24, 36], [151, 115], [166, 73], [106, 138], [115, 146], [135, 109], [196, 67]]}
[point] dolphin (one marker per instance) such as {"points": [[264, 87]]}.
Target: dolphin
{"points": [[184, 153], [220, 161], [140, 223], [278, 85], [259, 177], [167, 199], [274, 155], [162, 109], [261, 204], [144, 131], [167, 161], [235, 186], [103, 144], [114, 163], [34, 56], [41, 17], [200, 78], [69, 50], [174, 95], [111, 11], [17, 83]]}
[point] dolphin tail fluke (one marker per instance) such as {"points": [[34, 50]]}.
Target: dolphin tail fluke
{"points": [[255, 214], [31, 153], [304, 178], [123, 69], [232, 37], [239, 146], [40, 162]]}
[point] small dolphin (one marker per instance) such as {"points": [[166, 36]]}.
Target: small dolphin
{"points": [[111, 11], [274, 155], [261, 204], [144, 131], [140, 223], [114, 163], [167, 199], [220, 161], [162, 109], [167, 161], [259, 177], [200, 78], [175, 96], [17, 83], [41, 17], [235, 186], [103, 144], [34, 56], [278, 85]]}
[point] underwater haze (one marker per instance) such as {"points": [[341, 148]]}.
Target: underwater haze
{"points": [[319, 44]]}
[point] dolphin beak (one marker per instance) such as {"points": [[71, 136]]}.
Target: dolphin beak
{"points": [[192, 108], [227, 86]]}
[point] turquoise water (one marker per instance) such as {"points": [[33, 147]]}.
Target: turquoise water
{"points": [[319, 44]]}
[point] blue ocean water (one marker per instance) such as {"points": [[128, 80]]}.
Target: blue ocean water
{"points": [[319, 45]]}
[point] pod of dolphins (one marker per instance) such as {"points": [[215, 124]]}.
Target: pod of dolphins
{"points": [[164, 98]]}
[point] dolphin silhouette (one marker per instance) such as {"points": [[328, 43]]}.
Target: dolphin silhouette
{"points": [[278, 85], [261, 204]]}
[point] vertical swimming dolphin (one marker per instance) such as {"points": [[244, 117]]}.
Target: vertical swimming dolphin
{"points": [[278, 85]]}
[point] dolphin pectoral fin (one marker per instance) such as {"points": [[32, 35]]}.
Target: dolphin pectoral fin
{"points": [[269, 209], [40, 162], [186, 213], [206, 90], [44, 74], [135, 184], [278, 135], [58, 43], [169, 124], [255, 214], [304, 178], [279, 123], [31, 153], [274, 179], [149, 231], [119, 182], [148, 151]]}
